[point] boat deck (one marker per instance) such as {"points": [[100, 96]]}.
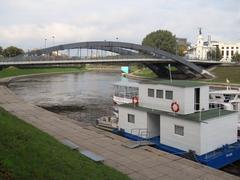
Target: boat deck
{"points": [[216, 159]]}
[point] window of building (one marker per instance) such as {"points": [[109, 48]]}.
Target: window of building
{"points": [[227, 53], [169, 95], [232, 53], [222, 47], [150, 92], [232, 47], [159, 93], [131, 118], [236, 47], [227, 47], [222, 53], [179, 130]]}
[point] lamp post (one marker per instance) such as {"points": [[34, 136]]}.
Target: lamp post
{"points": [[118, 52], [45, 43], [53, 40]]}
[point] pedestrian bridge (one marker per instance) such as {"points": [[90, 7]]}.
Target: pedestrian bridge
{"points": [[120, 53]]}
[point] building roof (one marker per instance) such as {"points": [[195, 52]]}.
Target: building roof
{"points": [[195, 117], [177, 83]]}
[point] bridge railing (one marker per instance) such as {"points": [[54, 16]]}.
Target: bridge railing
{"points": [[58, 58]]}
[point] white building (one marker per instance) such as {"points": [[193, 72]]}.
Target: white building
{"points": [[201, 49], [228, 50], [192, 127]]}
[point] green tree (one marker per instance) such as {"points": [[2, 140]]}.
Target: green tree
{"points": [[236, 57], [12, 51], [161, 39], [1, 50], [214, 54], [218, 54], [181, 50]]}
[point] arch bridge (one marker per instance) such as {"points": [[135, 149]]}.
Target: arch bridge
{"points": [[123, 53]]}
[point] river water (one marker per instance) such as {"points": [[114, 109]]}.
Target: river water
{"points": [[80, 96]]}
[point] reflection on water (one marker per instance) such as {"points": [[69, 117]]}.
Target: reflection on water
{"points": [[91, 90]]}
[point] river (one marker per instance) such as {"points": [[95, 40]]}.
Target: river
{"points": [[80, 96]]}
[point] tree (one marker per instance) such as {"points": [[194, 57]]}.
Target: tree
{"points": [[12, 51], [161, 39], [181, 50], [214, 54], [236, 57], [1, 50], [218, 54]]}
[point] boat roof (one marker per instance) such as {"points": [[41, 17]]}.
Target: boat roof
{"points": [[126, 84], [177, 83], [225, 92], [195, 117]]}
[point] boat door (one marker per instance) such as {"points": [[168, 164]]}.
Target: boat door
{"points": [[197, 99]]}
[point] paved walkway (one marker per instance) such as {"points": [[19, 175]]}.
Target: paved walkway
{"points": [[142, 163]]}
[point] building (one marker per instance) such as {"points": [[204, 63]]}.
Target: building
{"points": [[177, 115], [228, 50], [202, 49]]}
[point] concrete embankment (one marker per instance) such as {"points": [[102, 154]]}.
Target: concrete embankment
{"points": [[142, 163]]}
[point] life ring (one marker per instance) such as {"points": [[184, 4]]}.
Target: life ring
{"points": [[135, 100], [175, 107]]}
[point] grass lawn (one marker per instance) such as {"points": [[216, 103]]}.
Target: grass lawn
{"points": [[12, 71], [232, 73], [145, 72], [221, 73], [28, 153]]}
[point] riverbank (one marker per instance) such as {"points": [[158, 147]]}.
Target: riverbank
{"points": [[221, 73], [142, 163], [13, 73], [28, 153]]}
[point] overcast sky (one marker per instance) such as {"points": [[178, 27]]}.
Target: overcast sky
{"points": [[26, 23]]}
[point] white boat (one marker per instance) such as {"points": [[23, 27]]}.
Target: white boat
{"points": [[124, 92], [228, 99]]}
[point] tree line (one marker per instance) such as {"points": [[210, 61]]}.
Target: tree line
{"points": [[10, 51]]}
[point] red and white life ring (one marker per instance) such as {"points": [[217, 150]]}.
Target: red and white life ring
{"points": [[135, 100], [175, 107]]}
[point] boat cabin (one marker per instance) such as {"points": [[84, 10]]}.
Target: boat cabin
{"points": [[227, 99], [177, 115], [124, 92]]}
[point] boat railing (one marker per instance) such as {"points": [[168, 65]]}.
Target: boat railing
{"points": [[143, 132]]}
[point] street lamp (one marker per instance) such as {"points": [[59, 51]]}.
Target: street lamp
{"points": [[53, 38], [117, 41], [45, 43]]}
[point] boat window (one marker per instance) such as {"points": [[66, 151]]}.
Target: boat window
{"points": [[229, 96], [131, 118], [150, 92], [169, 95], [125, 92], [212, 106], [159, 93], [220, 106], [179, 130], [218, 97]]}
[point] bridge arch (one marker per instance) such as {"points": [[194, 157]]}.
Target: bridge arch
{"points": [[124, 48]]}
